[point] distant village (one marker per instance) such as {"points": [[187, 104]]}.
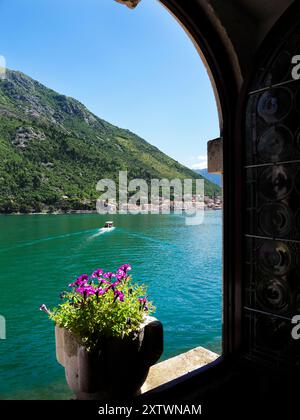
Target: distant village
{"points": [[215, 203], [165, 205]]}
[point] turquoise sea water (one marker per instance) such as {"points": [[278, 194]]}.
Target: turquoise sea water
{"points": [[39, 255]]}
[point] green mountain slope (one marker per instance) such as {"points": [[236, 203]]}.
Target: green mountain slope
{"points": [[53, 151]]}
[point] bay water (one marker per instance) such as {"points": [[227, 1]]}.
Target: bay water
{"points": [[41, 254]]}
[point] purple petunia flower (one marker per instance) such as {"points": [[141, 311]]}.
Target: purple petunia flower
{"points": [[125, 267], [143, 300], [80, 281], [44, 308], [83, 278], [86, 290], [109, 275], [98, 273], [100, 291], [119, 295], [121, 274], [143, 303]]}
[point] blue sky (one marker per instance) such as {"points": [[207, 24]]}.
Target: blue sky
{"points": [[135, 68]]}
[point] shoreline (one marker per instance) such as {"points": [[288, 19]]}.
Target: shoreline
{"points": [[54, 213], [61, 213]]}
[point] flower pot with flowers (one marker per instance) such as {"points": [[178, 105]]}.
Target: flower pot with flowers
{"points": [[105, 337]]}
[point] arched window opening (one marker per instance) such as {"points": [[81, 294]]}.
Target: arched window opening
{"points": [[63, 98]]}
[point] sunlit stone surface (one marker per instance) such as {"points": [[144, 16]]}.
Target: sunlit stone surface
{"points": [[175, 367]]}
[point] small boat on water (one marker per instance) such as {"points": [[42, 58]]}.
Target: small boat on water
{"points": [[108, 225]]}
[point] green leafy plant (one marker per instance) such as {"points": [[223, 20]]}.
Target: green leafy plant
{"points": [[102, 305]]}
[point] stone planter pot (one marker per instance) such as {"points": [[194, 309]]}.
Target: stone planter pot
{"points": [[116, 369]]}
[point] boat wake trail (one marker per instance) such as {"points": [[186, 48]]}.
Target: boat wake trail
{"points": [[102, 231], [46, 239]]}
